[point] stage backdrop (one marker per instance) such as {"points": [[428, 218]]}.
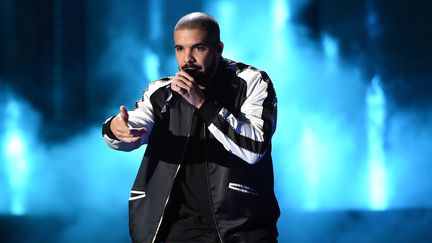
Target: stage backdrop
{"points": [[352, 150]]}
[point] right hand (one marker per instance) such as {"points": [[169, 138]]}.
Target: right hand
{"points": [[184, 84], [122, 131]]}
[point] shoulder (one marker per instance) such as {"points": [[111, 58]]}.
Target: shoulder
{"points": [[247, 72], [156, 89], [157, 84], [255, 79]]}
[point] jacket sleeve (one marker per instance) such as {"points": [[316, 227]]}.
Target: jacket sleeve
{"points": [[141, 117], [248, 135]]}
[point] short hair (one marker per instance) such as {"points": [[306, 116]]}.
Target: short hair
{"points": [[198, 20]]}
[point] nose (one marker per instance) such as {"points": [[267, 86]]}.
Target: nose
{"points": [[188, 57]]}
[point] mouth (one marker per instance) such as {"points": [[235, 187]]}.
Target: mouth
{"points": [[191, 66], [194, 72]]}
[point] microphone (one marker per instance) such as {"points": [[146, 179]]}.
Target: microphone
{"points": [[175, 97], [192, 72], [196, 74]]}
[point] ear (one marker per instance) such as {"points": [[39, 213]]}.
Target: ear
{"points": [[219, 47]]}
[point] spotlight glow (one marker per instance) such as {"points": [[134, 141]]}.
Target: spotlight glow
{"points": [[310, 156], [15, 160], [281, 14], [377, 170], [330, 45], [15, 145], [150, 65]]}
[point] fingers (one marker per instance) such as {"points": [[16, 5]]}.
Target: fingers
{"points": [[130, 134], [182, 88], [119, 129], [186, 75], [185, 85], [130, 139], [121, 120], [137, 132], [183, 82], [123, 113], [122, 131]]}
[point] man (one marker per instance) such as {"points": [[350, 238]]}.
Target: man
{"points": [[207, 174]]}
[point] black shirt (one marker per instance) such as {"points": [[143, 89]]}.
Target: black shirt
{"points": [[189, 217]]}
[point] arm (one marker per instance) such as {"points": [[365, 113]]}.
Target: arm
{"points": [[131, 129], [248, 135]]}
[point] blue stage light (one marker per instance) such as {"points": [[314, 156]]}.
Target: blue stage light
{"points": [[376, 109], [281, 14], [15, 162], [15, 145], [330, 45]]}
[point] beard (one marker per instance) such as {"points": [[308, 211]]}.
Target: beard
{"points": [[196, 71]]}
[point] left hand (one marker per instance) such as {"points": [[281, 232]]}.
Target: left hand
{"points": [[185, 85]]}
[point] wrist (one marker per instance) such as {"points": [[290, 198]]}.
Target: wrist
{"points": [[106, 129], [200, 103], [208, 111]]}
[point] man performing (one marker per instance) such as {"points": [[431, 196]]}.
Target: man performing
{"points": [[207, 173]]}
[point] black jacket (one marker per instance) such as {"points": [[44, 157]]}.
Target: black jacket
{"points": [[240, 116]]}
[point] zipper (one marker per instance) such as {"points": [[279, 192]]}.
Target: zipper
{"points": [[208, 186], [166, 203], [175, 175]]}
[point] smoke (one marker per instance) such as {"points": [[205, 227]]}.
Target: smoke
{"points": [[321, 130], [409, 153], [323, 151], [81, 183], [125, 55], [409, 225]]}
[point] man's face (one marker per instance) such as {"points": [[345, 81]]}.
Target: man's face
{"points": [[197, 52]]}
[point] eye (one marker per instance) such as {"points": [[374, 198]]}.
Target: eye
{"points": [[200, 48], [178, 48]]}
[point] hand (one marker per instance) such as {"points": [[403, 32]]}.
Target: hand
{"points": [[185, 85], [122, 131]]}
